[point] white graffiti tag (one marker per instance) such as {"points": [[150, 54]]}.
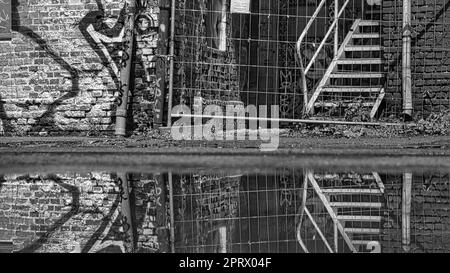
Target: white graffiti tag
{"points": [[100, 39]]}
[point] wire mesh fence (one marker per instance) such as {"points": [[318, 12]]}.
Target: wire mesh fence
{"points": [[252, 58], [351, 53], [311, 211]]}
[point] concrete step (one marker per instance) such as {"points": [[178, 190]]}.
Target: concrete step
{"points": [[375, 205], [360, 61], [351, 89], [356, 75], [363, 48], [360, 218]]}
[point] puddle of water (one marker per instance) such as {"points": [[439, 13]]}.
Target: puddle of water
{"points": [[288, 211]]}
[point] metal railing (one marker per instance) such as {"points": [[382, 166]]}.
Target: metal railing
{"points": [[338, 228]]}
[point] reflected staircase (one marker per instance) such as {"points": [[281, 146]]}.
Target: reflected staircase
{"points": [[357, 201], [354, 203]]}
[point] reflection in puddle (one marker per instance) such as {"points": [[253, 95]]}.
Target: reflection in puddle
{"points": [[289, 211]]}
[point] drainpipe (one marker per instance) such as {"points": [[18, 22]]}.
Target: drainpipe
{"points": [[172, 64], [406, 62], [406, 211], [172, 214], [125, 71], [126, 209]]}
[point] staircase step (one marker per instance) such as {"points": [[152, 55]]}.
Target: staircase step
{"points": [[366, 23], [360, 61], [351, 191], [331, 104], [363, 48], [356, 75], [363, 230], [356, 204], [361, 242], [360, 218], [351, 89], [366, 36], [326, 176]]}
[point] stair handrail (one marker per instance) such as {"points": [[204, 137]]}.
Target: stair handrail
{"points": [[304, 210], [326, 203], [302, 37]]}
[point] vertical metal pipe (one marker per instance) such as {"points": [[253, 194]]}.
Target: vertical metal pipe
{"points": [[223, 239], [406, 210], [336, 33], [126, 204], [125, 71], [172, 215], [406, 61], [171, 69]]}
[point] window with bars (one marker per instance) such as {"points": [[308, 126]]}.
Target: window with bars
{"points": [[216, 24]]}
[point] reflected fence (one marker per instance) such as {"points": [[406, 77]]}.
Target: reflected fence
{"points": [[290, 211]]}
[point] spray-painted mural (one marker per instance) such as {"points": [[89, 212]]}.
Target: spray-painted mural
{"points": [[80, 213], [74, 81]]}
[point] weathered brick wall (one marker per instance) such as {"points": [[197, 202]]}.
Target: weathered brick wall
{"points": [[202, 71], [430, 214], [56, 76], [430, 54], [76, 213], [151, 213], [146, 78]]}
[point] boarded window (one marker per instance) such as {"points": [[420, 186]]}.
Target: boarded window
{"points": [[6, 247], [5, 19], [216, 24]]}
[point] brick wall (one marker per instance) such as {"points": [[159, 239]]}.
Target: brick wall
{"points": [[77, 213], [430, 55], [430, 214], [55, 75], [202, 70]]}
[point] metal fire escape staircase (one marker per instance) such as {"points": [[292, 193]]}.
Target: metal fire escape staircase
{"points": [[355, 73], [354, 204]]}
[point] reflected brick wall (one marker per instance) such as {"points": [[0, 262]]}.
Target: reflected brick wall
{"points": [[430, 214], [78, 213]]}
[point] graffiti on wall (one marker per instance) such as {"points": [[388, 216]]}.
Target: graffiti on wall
{"points": [[109, 236], [103, 31], [90, 28]]}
